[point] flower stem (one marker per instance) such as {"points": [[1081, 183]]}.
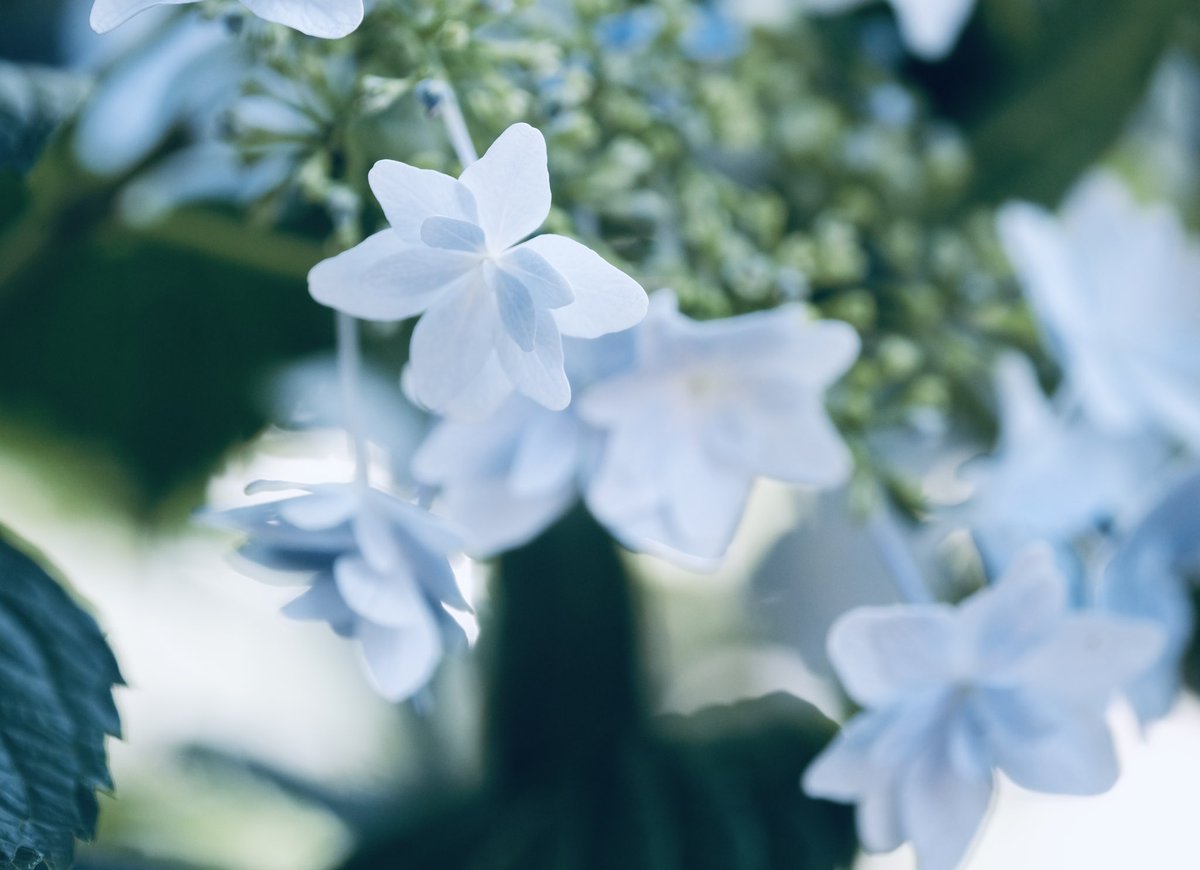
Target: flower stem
{"points": [[350, 373], [443, 103], [898, 558]]}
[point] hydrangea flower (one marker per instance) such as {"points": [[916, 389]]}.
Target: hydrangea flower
{"points": [[1131, 356], [377, 570], [505, 479], [329, 19], [494, 309], [930, 28], [705, 409], [1148, 578], [1052, 475], [1009, 680]]}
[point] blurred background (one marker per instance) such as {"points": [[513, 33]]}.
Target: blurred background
{"points": [[159, 350]]}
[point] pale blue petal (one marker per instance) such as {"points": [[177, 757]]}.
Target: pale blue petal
{"points": [[320, 510], [452, 234], [107, 14], [328, 19], [322, 602], [546, 286], [704, 499], [511, 185], [606, 299], [389, 599], [383, 278], [884, 654], [451, 344], [942, 806], [516, 308], [539, 373], [401, 660], [410, 196], [1009, 620], [932, 27], [547, 455]]}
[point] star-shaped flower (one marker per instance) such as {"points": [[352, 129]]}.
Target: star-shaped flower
{"points": [[705, 409], [1114, 285], [329, 19], [1011, 679], [504, 479], [377, 570], [930, 27], [494, 309]]}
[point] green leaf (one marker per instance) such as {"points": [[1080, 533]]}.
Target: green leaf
{"points": [[1042, 89], [56, 708], [34, 101]]}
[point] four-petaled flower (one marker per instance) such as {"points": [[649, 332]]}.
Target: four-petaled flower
{"points": [[1011, 679], [705, 409], [378, 571], [1131, 357], [329, 19], [494, 309]]}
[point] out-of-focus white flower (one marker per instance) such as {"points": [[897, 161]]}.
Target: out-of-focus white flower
{"points": [[705, 409], [930, 27], [494, 309], [1011, 679], [329, 19], [377, 570], [505, 479], [1149, 578], [1052, 475], [1114, 284]]}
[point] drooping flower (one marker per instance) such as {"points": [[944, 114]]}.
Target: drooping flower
{"points": [[705, 409], [1149, 578], [494, 309], [377, 570], [930, 27], [1052, 475], [1113, 284], [505, 479], [1010, 680], [328, 19]]}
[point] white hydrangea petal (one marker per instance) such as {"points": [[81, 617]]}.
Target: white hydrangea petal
{"points": [[629, 481], [385, 598], [538, 373], [322, 602], [516, 309], [547, 455], [705, 500], [410, 196], [453, 234], [383, 278], [1008, 620], [942, 806], [1090, 656], [883, 654], [321, 510], [107, 14], [451, 344], [1042, 745], [511, 185], [328, 19], [401, 659], [606, 299], [932, 27], [495, 518], [483, 396], [844, 771], [546, 286]]}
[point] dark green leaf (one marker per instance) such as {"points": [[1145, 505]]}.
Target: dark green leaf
{"points": [[56, 708], [1043, 88]]}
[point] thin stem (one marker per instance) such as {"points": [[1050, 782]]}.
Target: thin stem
{"points": [[898, 557], [350, 372], [456, 125]]}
